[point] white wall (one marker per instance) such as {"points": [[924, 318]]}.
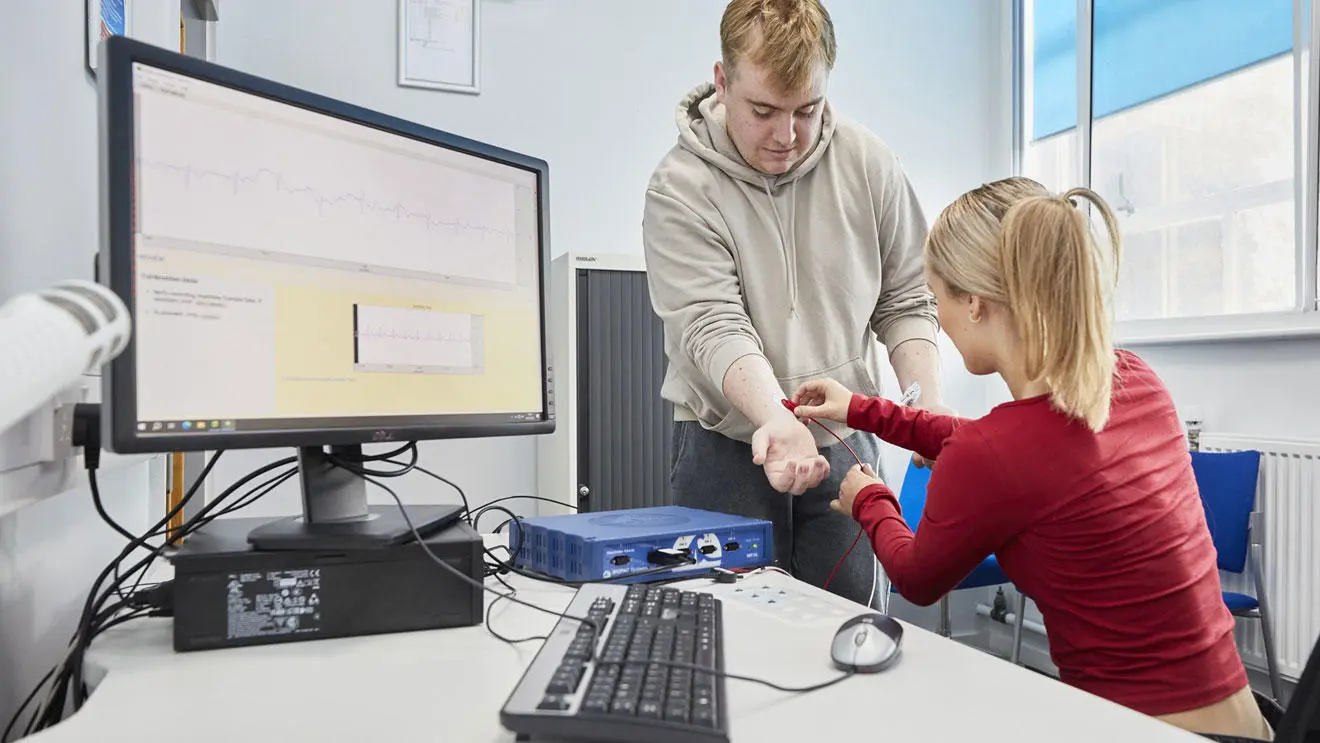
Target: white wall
{"points": [[928, 77], [51, 550]]}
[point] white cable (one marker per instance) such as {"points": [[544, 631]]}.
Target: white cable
{"points": [[875, 581]]}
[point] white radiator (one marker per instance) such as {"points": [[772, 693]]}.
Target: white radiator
{"points": [[1289, 500]]}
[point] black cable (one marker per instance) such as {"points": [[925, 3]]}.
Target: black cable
{"points": [[387, 456], [403, 510], [257, 493], [19, 712], [94, 602], [93, 486], [508, 640], [252, 496], [467, 510], [354, 465], [97, 618], [532, 497], [476, 520]]}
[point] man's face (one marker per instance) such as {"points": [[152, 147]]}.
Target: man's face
{"points": [[772, 129]]}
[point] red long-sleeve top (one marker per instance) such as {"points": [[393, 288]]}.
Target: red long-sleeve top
{"points": [[1105, 532]]}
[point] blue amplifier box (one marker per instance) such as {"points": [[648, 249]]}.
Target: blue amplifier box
{"points": [[634, 545]]}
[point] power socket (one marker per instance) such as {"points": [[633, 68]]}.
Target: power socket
{"points": [[44, 436]]}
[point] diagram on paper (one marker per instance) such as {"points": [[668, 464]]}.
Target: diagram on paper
{"points": [[439, 42], [416, 341]]}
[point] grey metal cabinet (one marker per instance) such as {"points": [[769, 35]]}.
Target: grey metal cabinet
{"points": [[612, 447]]}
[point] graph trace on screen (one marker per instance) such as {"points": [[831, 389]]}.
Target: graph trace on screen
{"points": [[417, 341], [495, 238], [366, 206]]}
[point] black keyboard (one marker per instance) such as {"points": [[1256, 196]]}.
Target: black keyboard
{"points": [[624, 695]]}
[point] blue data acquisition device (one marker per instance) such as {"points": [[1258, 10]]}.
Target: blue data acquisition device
{"points": [[615, 545]]}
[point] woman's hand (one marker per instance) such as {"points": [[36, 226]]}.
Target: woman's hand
{"points": [[822, 399], [860, 477]]}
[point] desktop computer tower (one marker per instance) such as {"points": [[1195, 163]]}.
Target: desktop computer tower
{"points": [[227, 594]]}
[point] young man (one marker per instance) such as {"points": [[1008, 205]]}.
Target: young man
{"points": [[781, 242]]}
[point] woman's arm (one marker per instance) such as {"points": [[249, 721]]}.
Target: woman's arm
{"points": [[968, 517], [916, 430]]}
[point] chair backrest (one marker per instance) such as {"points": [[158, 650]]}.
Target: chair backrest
{"points": [[1227, 481], [912, 497]]}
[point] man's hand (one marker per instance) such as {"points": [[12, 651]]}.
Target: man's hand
{"points": [[859, 478], [786, 450], [822, 399], [937, 409]]}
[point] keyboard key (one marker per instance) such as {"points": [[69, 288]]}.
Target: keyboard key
{"points": [[599, 703], [703, 714], [649, 709], [566, 678], [553, 702], [676, 711]]}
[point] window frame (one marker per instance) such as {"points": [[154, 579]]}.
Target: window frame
{"points": [[1303, 320]]}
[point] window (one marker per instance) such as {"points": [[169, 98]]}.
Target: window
{"points": [[1191, 133]]}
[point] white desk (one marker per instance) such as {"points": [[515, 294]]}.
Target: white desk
{"points": [[449, 685]]}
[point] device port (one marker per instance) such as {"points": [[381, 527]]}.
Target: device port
{"points": [[706, 549], [668, 557], [620, 559], [731, 547]]}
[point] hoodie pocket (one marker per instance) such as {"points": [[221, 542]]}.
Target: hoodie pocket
{"points": [[852, 374]]}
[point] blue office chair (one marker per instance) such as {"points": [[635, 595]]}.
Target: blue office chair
{"points": [[912, 501], [1227, 481]]}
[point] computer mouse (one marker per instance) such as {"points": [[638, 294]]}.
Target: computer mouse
{"points": [[867, 643]]}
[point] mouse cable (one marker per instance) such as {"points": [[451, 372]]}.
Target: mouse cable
{"points": [[403, 511]]}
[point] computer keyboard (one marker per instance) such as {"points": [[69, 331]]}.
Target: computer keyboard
{"points": [[623, 694]]}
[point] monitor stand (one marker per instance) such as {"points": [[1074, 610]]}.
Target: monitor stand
{"points": [[336, 515]]}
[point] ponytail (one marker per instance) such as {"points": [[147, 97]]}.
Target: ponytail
{"points": [[1059, 282]]}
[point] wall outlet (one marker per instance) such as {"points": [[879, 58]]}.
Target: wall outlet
{"points": [[44, 436]]}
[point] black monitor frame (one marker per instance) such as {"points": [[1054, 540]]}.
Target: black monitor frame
{"points": [[335, 511]]}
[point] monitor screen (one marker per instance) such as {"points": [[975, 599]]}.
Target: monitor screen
{"points": [[297, 270]]}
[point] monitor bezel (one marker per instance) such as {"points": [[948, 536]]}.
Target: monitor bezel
{"points": [[115, 259]]}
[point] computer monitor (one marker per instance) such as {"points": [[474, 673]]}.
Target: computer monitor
{"points": [[307, 273]]}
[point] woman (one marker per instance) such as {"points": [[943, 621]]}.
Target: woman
{"points": [[1081, 485]]}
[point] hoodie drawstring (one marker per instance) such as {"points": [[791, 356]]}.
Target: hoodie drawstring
{"points": [[787, 243]]}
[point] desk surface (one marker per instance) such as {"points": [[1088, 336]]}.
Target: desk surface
{"points": [[449, 685]]}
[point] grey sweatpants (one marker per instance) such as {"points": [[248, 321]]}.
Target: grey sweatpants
{"points": [[716, 473]]}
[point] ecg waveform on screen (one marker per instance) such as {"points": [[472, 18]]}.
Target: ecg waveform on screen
{"points": [[399, 336], [418, 336], [282, 185]]}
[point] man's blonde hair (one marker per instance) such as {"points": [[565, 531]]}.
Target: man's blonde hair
{"points": [[788, 37], [1014, 243]]}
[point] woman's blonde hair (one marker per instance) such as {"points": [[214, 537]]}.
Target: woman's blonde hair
{"points": [[1014, 243]]}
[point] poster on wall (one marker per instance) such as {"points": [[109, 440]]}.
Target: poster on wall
{"points": [[104, 18], [440, 45]]}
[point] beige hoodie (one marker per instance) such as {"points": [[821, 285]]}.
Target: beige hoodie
{"points": [[807, 268]]}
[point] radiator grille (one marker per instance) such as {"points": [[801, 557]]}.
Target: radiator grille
{"points": [[1289, 501]]}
